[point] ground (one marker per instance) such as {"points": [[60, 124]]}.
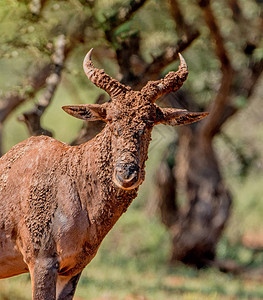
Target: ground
{"points": [[132, 265]]}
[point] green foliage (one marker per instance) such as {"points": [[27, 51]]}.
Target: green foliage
{"points": [[133, 259]]}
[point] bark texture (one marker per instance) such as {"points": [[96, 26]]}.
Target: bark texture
{"points": [[193, 175], [189, 174], [200, 221]]}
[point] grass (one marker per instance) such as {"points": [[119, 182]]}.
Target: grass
{"points": [[132, 264]]}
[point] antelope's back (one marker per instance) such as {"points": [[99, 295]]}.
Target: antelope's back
{"points": [[26, 165]]}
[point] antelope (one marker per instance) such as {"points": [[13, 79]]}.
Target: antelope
{"points": [[58, 202]]}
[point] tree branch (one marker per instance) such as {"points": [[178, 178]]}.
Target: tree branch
{"points": [[124, 13], [182, 26], [129, 48], [248, 77], [168, 56], [217, 108], [188, 35], [13, 99], [245, 89], [210, 20], [32, 117], [38, 80]]}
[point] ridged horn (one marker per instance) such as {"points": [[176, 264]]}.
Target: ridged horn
{"points": [[183, 66], [170, 83], [97, 76]]}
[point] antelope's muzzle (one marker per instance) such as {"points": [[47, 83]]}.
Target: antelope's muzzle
{"points": [[126, 175]]}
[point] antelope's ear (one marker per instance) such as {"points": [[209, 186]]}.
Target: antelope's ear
{"points": [[88, 112], [172, 116]]}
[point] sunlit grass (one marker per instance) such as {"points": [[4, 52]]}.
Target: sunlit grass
{"points": [[15, 288], [132, 263]]}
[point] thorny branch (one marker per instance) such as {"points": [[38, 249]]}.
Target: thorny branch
{"points": [[32, 118]]}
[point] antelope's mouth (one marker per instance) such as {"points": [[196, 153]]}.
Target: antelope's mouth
{"points": [[127, 176]]}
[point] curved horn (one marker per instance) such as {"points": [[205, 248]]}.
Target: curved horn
{"points": [[101, 79], [183, 66], [170, 83]]}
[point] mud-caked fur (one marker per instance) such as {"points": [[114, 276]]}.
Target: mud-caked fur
{"points": [[57, 202]]}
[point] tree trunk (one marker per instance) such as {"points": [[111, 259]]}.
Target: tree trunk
{"points": [[197, 224], [165, 191]]}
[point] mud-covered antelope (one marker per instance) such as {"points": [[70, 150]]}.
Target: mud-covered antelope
{"points": [[57, 202]]}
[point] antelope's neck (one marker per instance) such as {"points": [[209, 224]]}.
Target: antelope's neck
{"points": [[103, 201]]}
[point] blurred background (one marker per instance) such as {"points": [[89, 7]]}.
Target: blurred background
{"points": [[195, 231]]}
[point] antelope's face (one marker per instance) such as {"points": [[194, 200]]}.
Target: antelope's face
{"points": [[130, 116], [131, 133]]}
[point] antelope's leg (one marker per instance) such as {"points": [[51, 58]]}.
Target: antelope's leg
{"points": [[43, 277], [66, 287]]}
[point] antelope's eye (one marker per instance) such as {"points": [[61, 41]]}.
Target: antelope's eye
{"points": [[150, 123], [118, 131], [139, 133]]}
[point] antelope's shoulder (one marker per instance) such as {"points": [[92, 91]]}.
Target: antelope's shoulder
{"points": [[33, 145]]}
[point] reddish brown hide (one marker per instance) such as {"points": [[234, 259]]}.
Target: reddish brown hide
{"points": [[58, 202]]}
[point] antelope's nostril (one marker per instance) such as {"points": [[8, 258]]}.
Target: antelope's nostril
{"points": [[126, 175], [131, 171], [126, 171]]}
